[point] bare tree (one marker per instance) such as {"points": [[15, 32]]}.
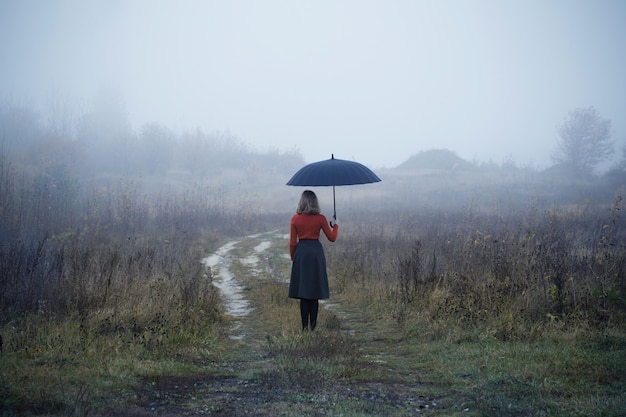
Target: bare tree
{"points": [[585, 140]]}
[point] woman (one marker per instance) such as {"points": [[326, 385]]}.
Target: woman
{"points": [[309, 281]]}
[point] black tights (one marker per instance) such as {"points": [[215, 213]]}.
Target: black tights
{"points": [[308, 310]]}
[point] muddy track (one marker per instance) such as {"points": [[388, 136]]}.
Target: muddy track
{"points": [[236, 387]]}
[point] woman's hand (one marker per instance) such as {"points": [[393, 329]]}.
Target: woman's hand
{"points": [[334, 222]]}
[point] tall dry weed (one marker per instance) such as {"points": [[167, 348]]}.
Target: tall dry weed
{"points": [[511, 270]]}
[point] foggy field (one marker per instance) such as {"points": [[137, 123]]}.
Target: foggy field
{"points": [[145, 149], [103, 288]]}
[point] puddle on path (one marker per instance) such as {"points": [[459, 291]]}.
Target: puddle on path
{"points": [[235, 302]]}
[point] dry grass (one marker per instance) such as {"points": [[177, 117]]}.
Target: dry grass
{"points": [[497, 312], [493, 314]]}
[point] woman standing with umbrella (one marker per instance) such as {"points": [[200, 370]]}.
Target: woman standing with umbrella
{"points": [[309, 280]]}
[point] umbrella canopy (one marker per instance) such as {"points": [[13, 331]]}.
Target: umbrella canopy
{"points": [[333, 172]]}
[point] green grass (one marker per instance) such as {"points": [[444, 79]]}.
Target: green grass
{"points": [[566, 371], [59, 367]]}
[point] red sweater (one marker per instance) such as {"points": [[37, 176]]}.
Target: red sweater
{"points": [[308, 226]]}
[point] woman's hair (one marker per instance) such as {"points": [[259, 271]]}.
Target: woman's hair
{"points": [[308, 203]]}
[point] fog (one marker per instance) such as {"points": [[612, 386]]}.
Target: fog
{"points": [[371, 81]]}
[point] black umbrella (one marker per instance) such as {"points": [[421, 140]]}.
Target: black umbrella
{"points": [[333, 172]]}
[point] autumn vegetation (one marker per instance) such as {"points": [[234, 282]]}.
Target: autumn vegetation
{"points": [[102, 233]]}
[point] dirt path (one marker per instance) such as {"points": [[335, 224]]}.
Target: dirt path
{"points": [[233, 387], [229, 387], [219, 264]]}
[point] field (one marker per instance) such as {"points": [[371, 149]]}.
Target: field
{"points": [[479, 308]]}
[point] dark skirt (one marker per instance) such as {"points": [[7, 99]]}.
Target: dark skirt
{"points": [[308, 271]]}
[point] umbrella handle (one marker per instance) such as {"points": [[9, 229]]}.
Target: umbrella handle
{"points": [[334, 205]]}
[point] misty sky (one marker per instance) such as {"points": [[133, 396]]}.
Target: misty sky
{"points": [[372, 81]]}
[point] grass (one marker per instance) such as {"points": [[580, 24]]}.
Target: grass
{"points": [[447, 298], [57, 367], [367, 360], [565, 371], [374, 353]]}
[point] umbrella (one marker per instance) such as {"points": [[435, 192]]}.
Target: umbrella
{"points": [[333, 172]]}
